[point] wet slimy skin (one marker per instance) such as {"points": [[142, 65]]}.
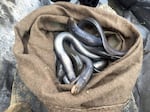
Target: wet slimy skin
{"points": [[62, 55], [101, 52], [59, 71], [87, 38], [100, 65], [84, 77], [82, 35], [76, 60]]}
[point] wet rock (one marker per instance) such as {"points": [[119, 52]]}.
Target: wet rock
{"points": [[114, 4], [130, 106], [104, 2], [4, 98], [127, 3], [20, 93], [140, 8], [11, 11], [7, 71], [91, 3], [142, 11], [19, 107], [142, 88], [45, 2], [145, 33]]}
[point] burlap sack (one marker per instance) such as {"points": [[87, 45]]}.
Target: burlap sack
{"points": [[108, 91]]}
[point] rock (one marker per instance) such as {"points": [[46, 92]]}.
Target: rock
{"points": [[19, 107], [91, 3], [142, 12], [20, 93], [130, 106], [11, 11], [145, 33], [127, 3], [7, 70]]}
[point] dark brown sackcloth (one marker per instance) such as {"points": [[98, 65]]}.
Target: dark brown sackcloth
{"points": [[107, 91]]}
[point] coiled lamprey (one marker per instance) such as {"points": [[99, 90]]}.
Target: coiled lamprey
{"points": [[86, 37], [62, 55], [81, 53]]}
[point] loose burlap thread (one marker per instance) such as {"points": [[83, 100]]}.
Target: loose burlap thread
{"points": [[107, 91]]}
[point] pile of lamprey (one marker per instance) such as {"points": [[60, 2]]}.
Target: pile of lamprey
{"points": [[81, 53]]}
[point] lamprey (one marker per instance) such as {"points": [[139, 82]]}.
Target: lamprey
{"points": [[83, 52], [100, 65], [84, 77], [101, 52], [105, 43], [66, 80], [77, 62], [62, 55], [82, 35], [59, 71]]}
